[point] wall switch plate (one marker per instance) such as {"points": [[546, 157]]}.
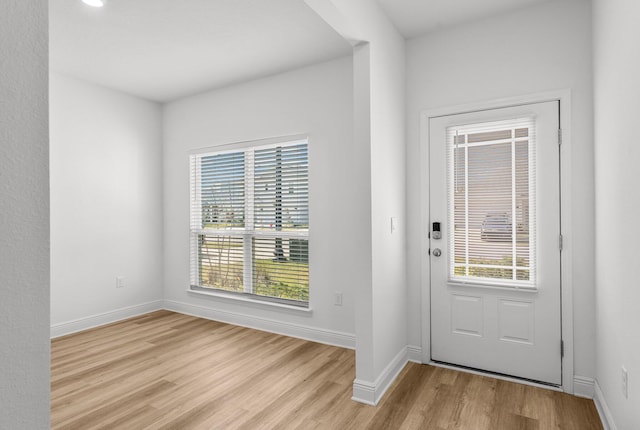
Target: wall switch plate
{"points": [[394, 224], [337, 299], [625, 383], [119, 281]]}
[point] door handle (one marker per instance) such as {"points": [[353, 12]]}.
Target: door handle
{"points": [[437, 252]]}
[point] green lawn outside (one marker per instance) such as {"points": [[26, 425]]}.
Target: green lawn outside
{"points": [[494, 273], [271, 278]]}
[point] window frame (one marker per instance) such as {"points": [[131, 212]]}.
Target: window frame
{"points": [[248, 233]]}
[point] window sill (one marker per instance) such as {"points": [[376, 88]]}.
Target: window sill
{"points": [[488, 286], [234, 298]]}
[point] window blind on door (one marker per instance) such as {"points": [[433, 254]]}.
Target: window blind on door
{"points": [[491, 203]]}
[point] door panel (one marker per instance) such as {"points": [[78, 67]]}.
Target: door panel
{"points": [[495, 264], [467, 315]]}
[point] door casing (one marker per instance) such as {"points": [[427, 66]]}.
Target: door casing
{"points": [[564, 97]]}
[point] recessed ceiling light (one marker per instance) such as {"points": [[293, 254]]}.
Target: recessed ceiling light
{"points": [[95, 3]]}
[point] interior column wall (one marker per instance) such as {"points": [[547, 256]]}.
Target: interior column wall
{"points": [[24, 217], [379, 82]]}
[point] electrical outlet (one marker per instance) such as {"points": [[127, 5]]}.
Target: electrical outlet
{"points": [[625, 383], [119, 281], [337, 300]]}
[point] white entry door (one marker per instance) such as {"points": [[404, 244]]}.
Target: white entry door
{"points": [[495, 241]]}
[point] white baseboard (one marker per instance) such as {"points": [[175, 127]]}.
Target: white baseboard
{"points": [[583, 387], [364, 392], [329, 337], [414, 354], [603, 409], [344, 340], [370, 393], [65, 328]]}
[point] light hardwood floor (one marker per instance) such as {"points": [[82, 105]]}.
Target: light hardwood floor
{"points": [[170, 371]]}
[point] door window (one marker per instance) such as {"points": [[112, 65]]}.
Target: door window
{"points": [[491, 201]]}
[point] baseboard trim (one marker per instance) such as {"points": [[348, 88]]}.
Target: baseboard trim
{"points": [[364, 392], [92, 321], [583, 387], [329, 337], [370, 393], [414, 354], [603, 409]]}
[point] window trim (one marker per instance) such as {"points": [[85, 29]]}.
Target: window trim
{"points": [[246, 296]]}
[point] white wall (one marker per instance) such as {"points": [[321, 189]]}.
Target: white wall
{"points": [[315, 100], [617, 155], [543, 48], [387, 77], [106, 201], [24, 216], [379, 121]]}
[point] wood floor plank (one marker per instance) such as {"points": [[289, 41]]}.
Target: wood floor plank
{"points": [[165, 370]]}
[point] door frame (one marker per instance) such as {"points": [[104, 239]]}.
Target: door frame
{"points": [[566, 277]]}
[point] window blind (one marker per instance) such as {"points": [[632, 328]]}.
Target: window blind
{"points": [[250, 221], [491, 203]]}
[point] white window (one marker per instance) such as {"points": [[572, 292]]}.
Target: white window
{"points": [[492, 203], [250, 220]]}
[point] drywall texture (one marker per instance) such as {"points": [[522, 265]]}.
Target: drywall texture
{"points": [[538, 49], [316, 101], [24, 216], [617, 155], [106, 200]]}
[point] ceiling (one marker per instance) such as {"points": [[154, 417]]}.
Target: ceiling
{"points": [[165, 49], [162, 50], [415, 17]]}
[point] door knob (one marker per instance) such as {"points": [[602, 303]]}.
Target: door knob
{"points": [[437, 252]]}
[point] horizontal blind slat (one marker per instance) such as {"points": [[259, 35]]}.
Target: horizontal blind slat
{"points": [[259, 195]]}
